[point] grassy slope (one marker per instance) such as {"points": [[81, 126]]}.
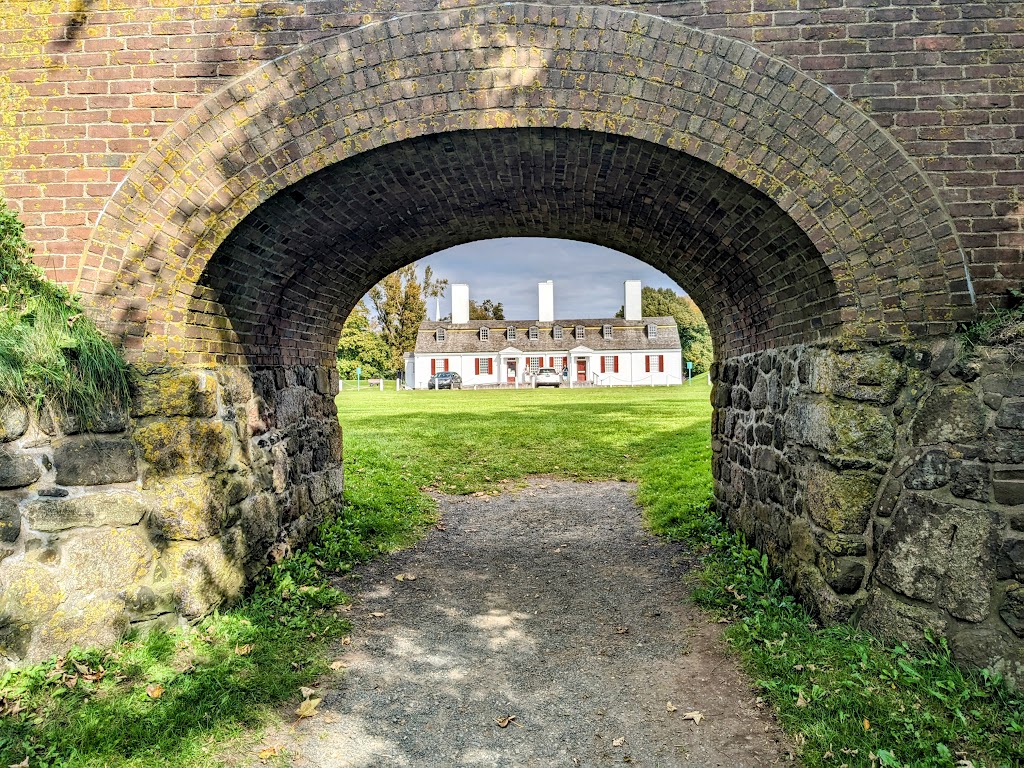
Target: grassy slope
{"points": [[920, 711]]}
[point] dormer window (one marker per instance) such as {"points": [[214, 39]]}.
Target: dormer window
{"points": [[485, 334], [534, 333], [556, 333], [579, 332], [510, 333], [606, 331], [652, 331], [439, 334]]}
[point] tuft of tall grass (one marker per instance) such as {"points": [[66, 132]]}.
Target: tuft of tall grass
{"points": [[49, 350]]}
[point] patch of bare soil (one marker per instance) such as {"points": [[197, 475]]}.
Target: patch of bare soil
{"points": [[550, 612]]}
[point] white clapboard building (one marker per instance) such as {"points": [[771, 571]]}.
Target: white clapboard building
{"points": [[616, 351]]}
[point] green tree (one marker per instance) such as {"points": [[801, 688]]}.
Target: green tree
{"points": [[486, 310], [361, 346], [398, 303], [694, 334], [434, 288]]}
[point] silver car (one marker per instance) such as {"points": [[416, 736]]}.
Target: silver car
{"points": [[548, 377]]}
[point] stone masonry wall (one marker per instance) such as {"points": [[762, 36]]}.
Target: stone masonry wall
{"points": [[161, 514], [888, 485]]}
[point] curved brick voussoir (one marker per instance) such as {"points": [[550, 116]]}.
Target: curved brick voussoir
{"points": [[872, 235]]}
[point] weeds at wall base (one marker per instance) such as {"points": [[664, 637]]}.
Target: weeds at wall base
{"points": [[844, 697]]}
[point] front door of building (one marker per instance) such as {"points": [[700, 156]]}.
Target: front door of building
{"points": [[581, 369], [510, 371]]}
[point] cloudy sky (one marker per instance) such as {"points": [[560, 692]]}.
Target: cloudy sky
{"points": [[588, 278]]}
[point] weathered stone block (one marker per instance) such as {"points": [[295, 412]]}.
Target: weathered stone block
{"points": [[206, 575], [235, 385], [13, 421], [116, 508], [840, 501], [17, 470], [10, 521], [1008, 486], [842, 429], [110, 418], [186, 508], [970, 481], [1012, 610], [935, 551], [929, 472], [950, 415], [105, 560], [1010, 564], [1005, 384], [899, 622], [94, 461], [843, 574], [187, 393], [1011, 415], [865, 376], [183, 446], [991, 649]]}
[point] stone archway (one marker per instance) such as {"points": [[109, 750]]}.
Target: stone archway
{"points": [[230, 256]]}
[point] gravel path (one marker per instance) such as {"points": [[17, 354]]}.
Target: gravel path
{"points": [[551, 605]]}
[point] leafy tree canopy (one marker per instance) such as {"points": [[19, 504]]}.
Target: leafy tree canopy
{"points": [[486, 310]]}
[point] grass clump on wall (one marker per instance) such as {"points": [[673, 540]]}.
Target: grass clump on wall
{"points": [[49, 350]]}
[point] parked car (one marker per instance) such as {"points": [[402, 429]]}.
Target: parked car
{"points": [[445, 380], [548, 377]]}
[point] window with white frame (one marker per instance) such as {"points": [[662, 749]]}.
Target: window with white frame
{"points": [[652, 331], [655, 363], [510, 333], [534, 333], [483, 366], [556, 333], [439, 334], [606, 331], [579, 332], [610, 364], [485, 334], [534, 363]]}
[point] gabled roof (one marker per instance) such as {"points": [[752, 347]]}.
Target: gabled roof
{"points": [[626, 335]]}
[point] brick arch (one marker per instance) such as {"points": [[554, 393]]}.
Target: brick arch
{"points": [[869, 213]]}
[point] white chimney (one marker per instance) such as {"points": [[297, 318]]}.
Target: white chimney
{"points": [[631, 306], [460, 303], [546, 302]]}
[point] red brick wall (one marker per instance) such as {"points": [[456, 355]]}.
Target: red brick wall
{"points": [[86, 86]]}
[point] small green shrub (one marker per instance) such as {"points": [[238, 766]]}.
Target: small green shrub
{"points": [[49, 350], [998, 328]]}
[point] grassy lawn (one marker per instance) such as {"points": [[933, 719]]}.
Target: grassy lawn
{"points": [[845, 698]]}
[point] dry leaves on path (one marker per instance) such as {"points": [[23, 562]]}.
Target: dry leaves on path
{"points": [[307, 708], [155, 691], [504, 722], [695, 716]]}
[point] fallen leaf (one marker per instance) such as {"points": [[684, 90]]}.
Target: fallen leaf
{"points": [[307, 708], [619, 741], [621, 630], [339, 664], [800, 700], [307, 692], [400, 577], [504, 722], [22, 764], [695, 716], [346, 640], [155, 691], [867, 724], [669, 707], [410, 577], [243, 650], [377, 614], [269, 752]]}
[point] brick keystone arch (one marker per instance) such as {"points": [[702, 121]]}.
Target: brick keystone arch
{"points": [[868, 211]]}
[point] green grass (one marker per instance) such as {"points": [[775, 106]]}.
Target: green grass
{"points": [[49, 351], [921, 711]]}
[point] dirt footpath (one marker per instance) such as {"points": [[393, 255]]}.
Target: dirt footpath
{"points": [[550, 606]]}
